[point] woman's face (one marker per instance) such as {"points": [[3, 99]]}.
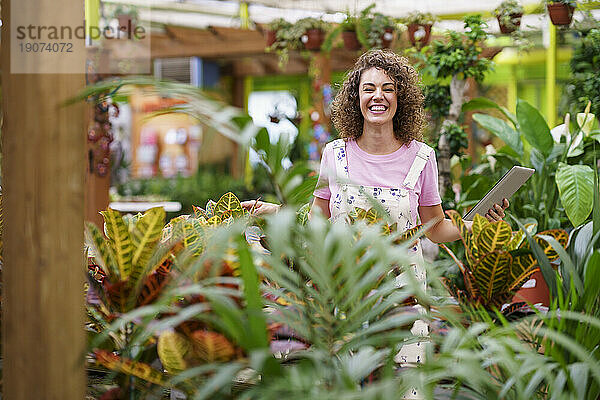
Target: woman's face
{"points": [[377, 97]]}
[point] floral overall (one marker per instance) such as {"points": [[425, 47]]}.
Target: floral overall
{"points": [[396, 202]]}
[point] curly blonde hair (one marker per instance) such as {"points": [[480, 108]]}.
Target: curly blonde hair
{"points": [[409, 119]]}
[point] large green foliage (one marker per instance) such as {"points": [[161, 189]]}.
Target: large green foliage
{"points": [[584, 85], [563, 159]]}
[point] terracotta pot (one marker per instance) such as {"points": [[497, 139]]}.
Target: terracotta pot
{"points": [[388, 37], [560, 14], [516, 19], [423, 33], [538, 293], [351, 41], [271, 37], [313, 39]]}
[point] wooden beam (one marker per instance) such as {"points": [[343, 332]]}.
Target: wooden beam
{"points": [[43, 169], [204, 46]]}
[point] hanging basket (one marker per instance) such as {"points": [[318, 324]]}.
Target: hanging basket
{"points": [[351, 42], [419, 34], [560, 14], [516, 23], [313, 39], [387, 37]]}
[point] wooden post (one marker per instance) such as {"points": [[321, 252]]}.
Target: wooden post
{"points": [[43, 168]]}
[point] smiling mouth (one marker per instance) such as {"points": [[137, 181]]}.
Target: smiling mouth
{"points": [[378, 108]]}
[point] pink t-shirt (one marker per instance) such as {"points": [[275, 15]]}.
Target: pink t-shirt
{"points": [[387, 171]]}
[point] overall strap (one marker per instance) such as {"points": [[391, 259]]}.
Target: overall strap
{"points": [[417, 166], [341, 161]]}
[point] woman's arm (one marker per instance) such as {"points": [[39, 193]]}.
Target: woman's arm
{"points": [[322, 205], [444, 230]]}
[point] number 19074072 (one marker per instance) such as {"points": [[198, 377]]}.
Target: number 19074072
{"points": [[39, 47]]}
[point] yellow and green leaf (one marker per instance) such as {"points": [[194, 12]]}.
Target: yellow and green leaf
{"points": [[172, 348], [561, 237], [212, 346], [145, 235], [120, 240], [465, 236], [523, 266], [479, 223], [492, 273], [129, 367], [228, 206], [103, 253], [494, 236]]}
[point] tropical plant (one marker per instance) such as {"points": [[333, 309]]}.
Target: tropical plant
{"points": [[293, 185], [497, 260], [563, 161], [572, 3]]}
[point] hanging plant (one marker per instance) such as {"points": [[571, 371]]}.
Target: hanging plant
{"points": [[419, 28], [272, 32], [509, 14], [308, 33], [561, 11]]}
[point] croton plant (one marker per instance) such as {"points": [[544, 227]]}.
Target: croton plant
{"points": [[497, 260], [131, 266]]}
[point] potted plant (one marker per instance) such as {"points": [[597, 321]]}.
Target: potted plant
{"points": [[561, 11], [509, 14], [273, 29], [381, 30], [310, 32], [127, 17], [349, 35], [419, 27]]}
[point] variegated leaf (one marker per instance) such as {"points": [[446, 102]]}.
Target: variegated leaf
{"points": [[199, 212], [479, 223], [214, 221], [494, 236], [103, 253], [145, 235], [522, 267], [120, 240], [492, 273], [228, 206], [192, 234], [129, 367], [210, 209], [212, 346], [561, 237], [465, 236], [172, 348], [155, 282]]}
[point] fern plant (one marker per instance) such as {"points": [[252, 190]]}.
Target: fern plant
{"points": [[497, 260]]}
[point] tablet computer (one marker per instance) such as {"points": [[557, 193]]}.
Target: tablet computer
{"points": [[504, 188]]}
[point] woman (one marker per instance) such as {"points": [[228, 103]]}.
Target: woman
{"points": [[379, 115]]}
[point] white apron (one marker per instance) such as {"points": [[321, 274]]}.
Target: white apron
{"points": [[396, 201]]}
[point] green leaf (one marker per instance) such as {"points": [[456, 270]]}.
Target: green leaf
{"points": [[534, 127], [575, 185], [501, 129], [545, 267], [120, 239], [481, 103]]}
